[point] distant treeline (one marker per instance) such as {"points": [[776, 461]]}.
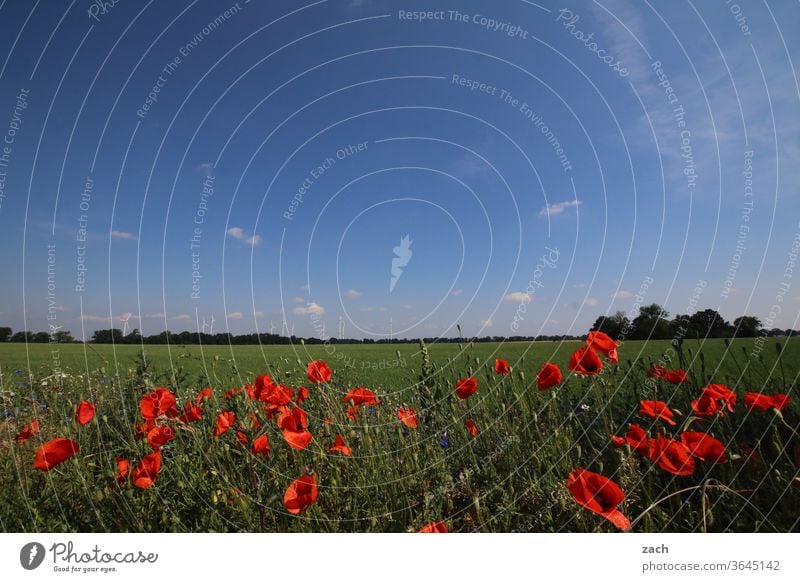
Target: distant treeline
{"points": [[652, 322]]}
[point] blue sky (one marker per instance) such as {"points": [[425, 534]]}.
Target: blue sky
{"points": [[325, 132]]}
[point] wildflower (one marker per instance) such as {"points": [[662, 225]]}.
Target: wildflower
{"points": [[408, 416], [54, 452], [318, 372], [598, 494], [339, 446], [657, 409], [154, 404], [753, 400], [466, 387], [585, 361], [437, 526], [471, 427], [501, 367], [704, 447], [301, 494], [550, 375], [144, 476], [294, 424], [84, 413], [671, 455], [261, 446], [159, 436], [225, 420]]}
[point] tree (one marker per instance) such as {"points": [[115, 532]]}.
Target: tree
{"points": [[708, 324], [746, 326], [651, 323], [107, 336], [41, 337], [613, 325], [5, 333], [63, 337], [22, 336]]}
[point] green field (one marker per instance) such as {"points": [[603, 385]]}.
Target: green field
{"points": [[510, 476], [382, 365]]}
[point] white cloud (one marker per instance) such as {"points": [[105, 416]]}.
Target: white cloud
{"points": [[310, 309], [235, 315], [123, 235], [518, 297], [373, 309], [559, 207], [181, 317], [487, 322], [623, 295], [579, 286], [456, 292], [353, 294], [591, 301], [242, 235], [298, 300], [407, 306], [259, 314]]}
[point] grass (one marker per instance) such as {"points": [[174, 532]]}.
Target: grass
{"points": [[511, 477]]}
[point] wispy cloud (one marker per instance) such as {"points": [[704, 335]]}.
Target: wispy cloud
{"points": [[373, 309], [181, 317], [591, 301], [244, 236], [235, 315], [559, 207], [623, 295], [518, 297], [487, 322], [310, 309], [353, 294], [123, 235], [456, 292]]}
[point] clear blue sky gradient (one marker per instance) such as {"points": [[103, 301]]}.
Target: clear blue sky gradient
{"points": [[276, 90]]}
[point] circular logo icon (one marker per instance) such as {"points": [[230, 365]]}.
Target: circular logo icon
{"points": [[31, 555]]}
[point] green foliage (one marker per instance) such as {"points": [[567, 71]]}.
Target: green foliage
{"points": [[511, 477]]}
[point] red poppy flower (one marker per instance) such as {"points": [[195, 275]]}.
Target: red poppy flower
{"points": [[225, 420], [123, 469], [294, 423], [232, 392], [273, 410], [636, 438], [339, 446], [261, 446], [154, 404], [204, 394], [704, 447], [657, 371], [352, 413], [242, 438], [550, 375], [301, 494], [191, 413], [408, 416], [501, 367], [434, 527], [466, 387], [601, 342], [676, 377], [277, 394], [318, 372], [722, 393], [27, 432], [144, 427], [159, 436], [706, 406], [598, 494], [657, 409], [672, 456], [361, 396], [262, 382], [585, 361], [471, 427], [144, 476], [753, 400], [84, 413], [302, 394], [54, 452]]}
